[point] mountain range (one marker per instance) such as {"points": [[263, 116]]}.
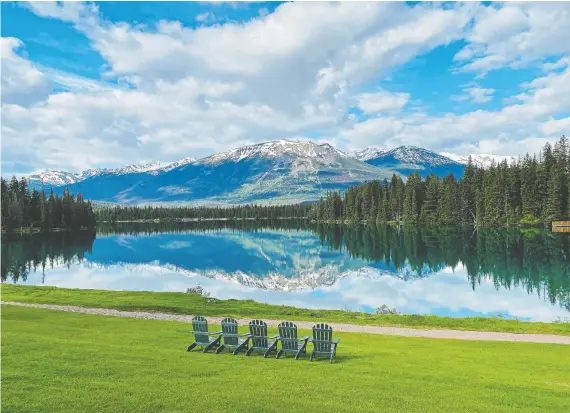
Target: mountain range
{"points": [[274, 172]]}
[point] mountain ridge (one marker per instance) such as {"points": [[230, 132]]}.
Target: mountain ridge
{"points": [[281, 171]]}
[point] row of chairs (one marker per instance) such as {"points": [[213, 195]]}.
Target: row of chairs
{"points": [[258, 340]]}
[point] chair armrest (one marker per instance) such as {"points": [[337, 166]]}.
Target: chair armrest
{"points": [[216, 333], [306, 338], [274, 337], [245, 334], [310, 339], [336, 341]]}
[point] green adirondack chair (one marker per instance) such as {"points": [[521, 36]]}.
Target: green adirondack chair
{"points": [[259, 340], [290, 342], [232, 340], [202, 337], [323, 343]]}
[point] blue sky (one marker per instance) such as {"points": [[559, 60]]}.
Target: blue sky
{"points": [[88, 85]]}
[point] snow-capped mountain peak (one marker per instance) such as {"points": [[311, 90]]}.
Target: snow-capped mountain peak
{"points": [[413, 155], [368, 153], [276, 149], [55, 178], [405, 154]]}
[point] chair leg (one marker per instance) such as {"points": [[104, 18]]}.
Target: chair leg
{"points": [[312, 355], [248, 352], [191, 346], [219, 349], [279, 354], [240, 347], [302, 350], [272, 348]]}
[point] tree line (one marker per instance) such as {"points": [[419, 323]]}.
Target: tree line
{"points": [[529, 191], [23, 209], [134, 213]]}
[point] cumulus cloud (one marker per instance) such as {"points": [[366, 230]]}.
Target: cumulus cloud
{"points": [[475, 94], [515, 34], [22, 82], [382, 101]]}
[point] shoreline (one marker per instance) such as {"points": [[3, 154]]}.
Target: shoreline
{"points": [[188, 304], [307, 325]]}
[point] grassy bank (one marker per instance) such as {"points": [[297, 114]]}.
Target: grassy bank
{"points": [[180, 303], [65, 362]]}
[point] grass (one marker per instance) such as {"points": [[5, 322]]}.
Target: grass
{"points": [[181, 303], [67, 362]]}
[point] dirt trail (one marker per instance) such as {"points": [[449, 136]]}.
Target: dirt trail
{"points": [[394, 331]]}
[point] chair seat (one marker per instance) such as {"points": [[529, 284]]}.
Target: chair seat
{"points": [[293, 346], [270, 343]]}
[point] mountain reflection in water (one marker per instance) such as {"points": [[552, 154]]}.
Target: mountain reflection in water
{"points": [[458, 272]]}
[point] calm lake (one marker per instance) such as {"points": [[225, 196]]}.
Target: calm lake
{"points": [[456, 272]]}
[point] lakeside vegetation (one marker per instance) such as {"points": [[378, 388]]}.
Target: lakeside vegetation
{"points": [[133, 213], [183, 303], [114, 364], [23, 210], [529, 191]]}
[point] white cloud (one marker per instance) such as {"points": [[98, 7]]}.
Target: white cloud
{"points": [[515, 34], [22, 82], [382, 101], [474, 93]]}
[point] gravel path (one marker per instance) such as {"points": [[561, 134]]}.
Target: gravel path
{"points": [[395, 331]]}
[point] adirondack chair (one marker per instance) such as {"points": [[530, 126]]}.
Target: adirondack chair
{"points": [[231, 338], [323, 343], [202, 337], [259, 339], [290, 343]]}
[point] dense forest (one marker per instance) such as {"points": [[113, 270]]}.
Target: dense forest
{"points": [[532, 190], [133, 213], [23, 209]]}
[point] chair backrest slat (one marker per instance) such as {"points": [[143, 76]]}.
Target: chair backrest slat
{"points": [[322, 337], [200, 327], [230, 331], [258, 331], [288, 335]]}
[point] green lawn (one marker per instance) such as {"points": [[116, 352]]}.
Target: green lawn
{"points": [[181, 303], [66, 362]]}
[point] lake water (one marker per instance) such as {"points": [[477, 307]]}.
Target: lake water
{"points": [[509, 273]]}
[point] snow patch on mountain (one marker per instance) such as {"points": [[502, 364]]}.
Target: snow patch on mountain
{"points": [[480, 160], [368, 153], [407, 154], [276, 149], [55, 178], [414, 155], [59, 178]]}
